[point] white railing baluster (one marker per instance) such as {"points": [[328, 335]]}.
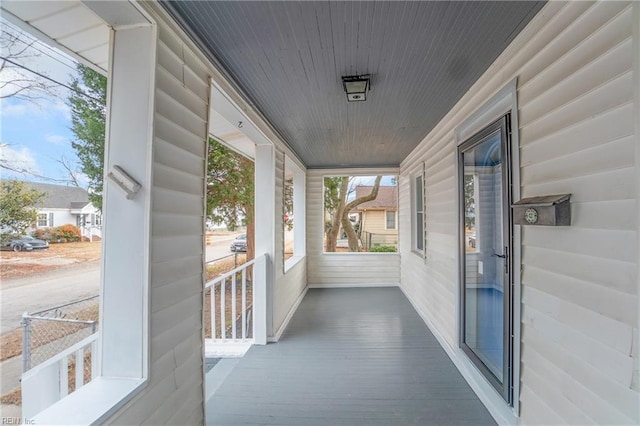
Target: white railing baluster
{"points": [[212, 295], [233, 307], [64, 376], [94, 359], [79, 368], [223, 332], [244, 304], [246, 276], [48, 382]]}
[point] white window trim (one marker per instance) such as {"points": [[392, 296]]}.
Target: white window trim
{"points": [[504, 101], [414, 213], [46, 220], [395, 220], [299, 214], [104, 395], [392, 171]]}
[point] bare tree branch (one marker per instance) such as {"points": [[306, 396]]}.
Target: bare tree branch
{"points": [[14, 82], [72, 171]]}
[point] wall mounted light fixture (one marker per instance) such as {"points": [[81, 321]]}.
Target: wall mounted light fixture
{"points": [[356, 87]]}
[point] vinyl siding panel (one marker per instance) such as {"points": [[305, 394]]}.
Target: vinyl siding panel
{"points": [[374, 221], [578, 134], [175, 389], [351, 269], [290, 285]]}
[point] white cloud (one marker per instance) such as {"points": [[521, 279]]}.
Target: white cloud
{"points": [[56, 139], [63, 108], [14, 107], [82, 179], [17, 162], [13, 110]]}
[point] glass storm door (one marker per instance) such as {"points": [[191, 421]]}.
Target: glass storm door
{"points": [[485, 220]]}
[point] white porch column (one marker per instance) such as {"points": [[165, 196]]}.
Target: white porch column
{"points": [[265, 217], [300, 213], [126, 228]]}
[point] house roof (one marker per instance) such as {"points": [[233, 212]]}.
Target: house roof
{"points": [[387, 198], [61, 197]]}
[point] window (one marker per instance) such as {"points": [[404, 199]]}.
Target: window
{"points": [[98, 221], [418, 202], [42, 219], [390, 220], [293, 214], [360, 214], [288, 216]]}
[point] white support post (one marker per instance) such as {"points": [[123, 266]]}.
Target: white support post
{"points": [[127, 222], [299, 212], [265, 202], [260, 281]]}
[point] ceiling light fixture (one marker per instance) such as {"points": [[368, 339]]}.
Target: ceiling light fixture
{"points": [[356, 87]]}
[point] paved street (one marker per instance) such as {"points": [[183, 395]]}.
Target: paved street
{"points": [[65, 285], [220, 246], [57, 287], [44, 291]]}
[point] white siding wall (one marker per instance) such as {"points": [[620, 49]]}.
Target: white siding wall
{"points": [[579, 284], [174, 394], [60, 217], [288, 287], [331, 269]]}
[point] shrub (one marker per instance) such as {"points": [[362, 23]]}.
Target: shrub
{"points": [[59, 234], [67, 232], [42, 234], [383, 249], [5, 237]]}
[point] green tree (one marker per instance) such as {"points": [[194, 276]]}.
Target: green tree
{"points": [[230, 190], [88, 125], [469, 202], [288, 203], [18, 204], [337, 207], [230, 176]]}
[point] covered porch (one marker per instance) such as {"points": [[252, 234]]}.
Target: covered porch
{"points": [[350, 356], [366, 338]]}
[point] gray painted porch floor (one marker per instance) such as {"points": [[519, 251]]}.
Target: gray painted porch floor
{"points": [[357, 356]]}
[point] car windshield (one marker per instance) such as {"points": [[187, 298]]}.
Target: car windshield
{"points": [[27, 237], [241, 237]]}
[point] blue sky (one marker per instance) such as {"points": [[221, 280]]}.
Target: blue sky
{"points": [[35, 135]]}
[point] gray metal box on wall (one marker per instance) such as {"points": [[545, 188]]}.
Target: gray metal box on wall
{"points": [[550, 210]]}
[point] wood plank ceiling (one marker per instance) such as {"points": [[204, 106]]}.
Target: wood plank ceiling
{"points": [[288, 59]]}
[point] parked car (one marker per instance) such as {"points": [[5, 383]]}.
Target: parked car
{"points": [[240, 243], [26, 243]]}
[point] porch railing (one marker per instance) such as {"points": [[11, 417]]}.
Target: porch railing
{"points": [[68, 371], [230, 309]]}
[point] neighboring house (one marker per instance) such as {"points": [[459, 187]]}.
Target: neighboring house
{"points": [[379, 217], [67, 205]]}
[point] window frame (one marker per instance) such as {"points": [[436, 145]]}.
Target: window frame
{"points": [[415, 238], [299, 227], [39, 220], [502, 102], [395, 220], [330, 173]]}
